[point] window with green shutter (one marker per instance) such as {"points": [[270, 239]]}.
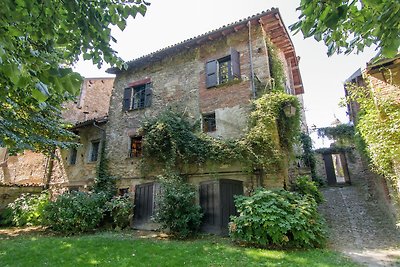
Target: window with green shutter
{"points": [[137, 96], [223, 70]]}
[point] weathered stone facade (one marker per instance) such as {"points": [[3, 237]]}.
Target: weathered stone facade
{"points": [[178, 79], [88, 114]]}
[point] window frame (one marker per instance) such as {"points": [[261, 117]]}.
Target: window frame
{"points": [[207, 122], [92, 150], [73, 156], [213, 69], [137, 96], [138, 140]]}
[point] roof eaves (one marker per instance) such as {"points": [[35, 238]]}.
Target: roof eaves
{"points": [[188, 43]]}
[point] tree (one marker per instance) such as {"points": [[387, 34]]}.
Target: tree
{"points": [[39, 40], [351, 25]]}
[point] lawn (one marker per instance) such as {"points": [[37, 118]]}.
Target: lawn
{"points": [[129, 249]]}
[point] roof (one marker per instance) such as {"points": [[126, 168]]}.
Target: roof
{"points": [[271, 21], [353, 76], [90, 122]]}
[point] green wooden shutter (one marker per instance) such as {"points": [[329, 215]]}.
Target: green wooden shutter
{"points": [[211, 73], [235, 63], [126, 104], [148, 93]]}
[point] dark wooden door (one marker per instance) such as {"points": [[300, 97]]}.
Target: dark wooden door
{"points": [[144, 203], [330, 169], [217, 202], [209, 202], [229, 189], [345, 168]]}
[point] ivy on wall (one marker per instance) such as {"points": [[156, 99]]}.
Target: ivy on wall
{"points": [[343, 134], [378, 125], [173, 142]]}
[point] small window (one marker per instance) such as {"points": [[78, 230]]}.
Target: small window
{"points": [[94, 151], [136, 149], [223, 70], [73, 189], [72, 156], [123, 191], [137, 97], [209, 124]]}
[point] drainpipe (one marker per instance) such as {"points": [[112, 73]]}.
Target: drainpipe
{"points": [[253, 87], [103, 139]]}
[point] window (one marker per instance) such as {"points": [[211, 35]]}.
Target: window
{"points": [[72, 156], [137, 96], [123, 191], [136, 149], [209, 124], [223, 70], [94, 151]]}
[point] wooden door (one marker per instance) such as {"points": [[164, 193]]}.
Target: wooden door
{"points": [[330, 169], [217, 203], [144, 204]]}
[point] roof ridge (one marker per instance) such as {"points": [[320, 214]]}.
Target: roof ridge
{"points": [[115, 70]]}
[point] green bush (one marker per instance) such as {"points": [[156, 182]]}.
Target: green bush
{"points": [[75, 212], [277, 218], [304, 186], [25, 210], [120, 209], [177, 211]]}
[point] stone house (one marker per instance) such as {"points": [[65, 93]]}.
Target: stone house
{"points": [[382, 78], [72, 169], [212, 78]]}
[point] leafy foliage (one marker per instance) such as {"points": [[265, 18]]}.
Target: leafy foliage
{"points": [[308, 156], [305, 187], [177, 210], [75, 212], [378, 125], [26, 210], [343, 134], [173, 141], [120, 209], [104, 183], [272, 133], [277, 218], [38, 39], [347, 25]]}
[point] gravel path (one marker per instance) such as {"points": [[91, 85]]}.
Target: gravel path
{"points": [[359, 228]]}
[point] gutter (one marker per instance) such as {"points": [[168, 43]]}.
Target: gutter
{"points": [[253, 87]]}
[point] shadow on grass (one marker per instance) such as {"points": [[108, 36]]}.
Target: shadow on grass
{"points": [[113, 249]]}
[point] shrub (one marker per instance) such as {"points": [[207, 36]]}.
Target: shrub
{"points": [[304, 186], [177, 211], [120, 209], [26, 210], [278, 218], [75, 212]]}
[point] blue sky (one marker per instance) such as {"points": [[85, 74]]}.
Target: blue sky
{"points": [[169, 22]]}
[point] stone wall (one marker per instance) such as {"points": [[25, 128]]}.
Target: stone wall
{"points": [[93, 101], [179, 81], [26, 167], [9, 193]]}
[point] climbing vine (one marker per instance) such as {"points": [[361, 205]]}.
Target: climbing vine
{"points": [[378, 125], [308, 154], [343, 134], [175, 142], [104, 182], [278, 77]]}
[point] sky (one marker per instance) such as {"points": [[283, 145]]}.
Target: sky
{"points": [[169, 22]]}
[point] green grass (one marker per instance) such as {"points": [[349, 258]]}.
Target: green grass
{"points": [[113, 249]]}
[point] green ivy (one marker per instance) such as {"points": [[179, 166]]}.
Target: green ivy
{"points": [[308, 154], [173, 142], [343, 134], [104, 182], [378, 125]]}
